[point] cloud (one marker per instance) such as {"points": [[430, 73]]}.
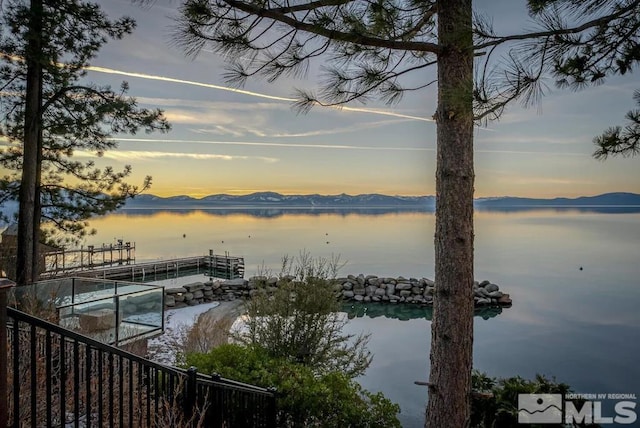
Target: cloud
{"points": [[530, 139], [129, 155], [287, 145], [547, 181], [198, 117], [241, 130], [526, 152], [341, 146], [216, 105], [250, 93]]}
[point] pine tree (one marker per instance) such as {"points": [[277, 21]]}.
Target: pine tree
{"points": [[370, 48], [49, 113]]}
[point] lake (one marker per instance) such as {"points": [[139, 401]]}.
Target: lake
{"points": [[580, 325]]}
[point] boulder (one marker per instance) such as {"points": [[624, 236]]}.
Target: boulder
{"points": [[99, 319], [236, 283], [491, 287], [380, 292], [504, 300], [193, 287], [391, 289], [348, 294], [175, 290], [481, 292], [370, 290]]}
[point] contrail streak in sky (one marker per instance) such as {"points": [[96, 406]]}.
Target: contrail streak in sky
{"points": [[245, 92], [267, 144]]}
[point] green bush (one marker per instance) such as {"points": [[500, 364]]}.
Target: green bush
{"points": [[305, 398], [498, 408], [300, 319]]}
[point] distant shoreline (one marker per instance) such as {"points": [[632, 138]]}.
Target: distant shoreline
{"points": [[370, 201]]}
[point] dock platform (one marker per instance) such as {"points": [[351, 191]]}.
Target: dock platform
{"points": [[218, 266]]}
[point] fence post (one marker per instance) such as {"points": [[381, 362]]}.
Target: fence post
{"points": [[5, 285], [210, 265], [272, 412], [190, 389]]}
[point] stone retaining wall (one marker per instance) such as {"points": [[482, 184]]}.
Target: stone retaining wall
{"points": [[361, 288]]}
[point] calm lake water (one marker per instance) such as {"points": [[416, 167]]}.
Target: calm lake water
{"points": [[581, 326]]}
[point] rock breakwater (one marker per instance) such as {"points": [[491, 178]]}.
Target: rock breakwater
{"points": [[360, 288]]}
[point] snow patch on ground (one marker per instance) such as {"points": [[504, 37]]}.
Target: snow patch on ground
{"points": [[163, 349]]}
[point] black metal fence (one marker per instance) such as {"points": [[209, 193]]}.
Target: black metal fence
{"points": [[56, 377]]}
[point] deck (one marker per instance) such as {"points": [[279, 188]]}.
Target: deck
{"points": [[219, 266]]}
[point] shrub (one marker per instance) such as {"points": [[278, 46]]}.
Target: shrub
{"points": [[498, 407], [300, 319], [305, 398]]}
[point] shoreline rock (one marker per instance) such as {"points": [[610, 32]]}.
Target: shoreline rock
{"points": [[360, 288]]}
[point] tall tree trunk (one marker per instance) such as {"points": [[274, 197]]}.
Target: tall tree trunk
{"points": [[452, 326], [36, 266], [27, 235]]}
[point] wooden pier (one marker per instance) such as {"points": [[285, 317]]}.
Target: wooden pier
{"points": [[213, 265], [65, 262]]}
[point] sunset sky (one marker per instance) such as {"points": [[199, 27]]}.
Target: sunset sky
{"points": [[226, 141]]}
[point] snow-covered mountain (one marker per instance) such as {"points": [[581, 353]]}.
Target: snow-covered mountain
{"points": [[277, 199]]}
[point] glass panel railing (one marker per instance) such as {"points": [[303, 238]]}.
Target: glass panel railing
{"points": [[96, 318], [109, 311], [142, 307], [86, 289]]}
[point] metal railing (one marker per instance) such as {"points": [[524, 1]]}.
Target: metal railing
{"points": [[57, 377]]}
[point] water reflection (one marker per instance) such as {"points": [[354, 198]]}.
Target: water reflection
{"points": [[581, 326], [275, 212], [407, 312]]}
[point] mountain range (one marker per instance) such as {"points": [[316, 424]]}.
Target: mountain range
{"points": [[272, 199], [271, 204]]}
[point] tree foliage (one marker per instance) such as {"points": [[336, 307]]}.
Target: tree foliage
{"points": [[304, 397], [618, 140], [382, 49], [299, 319], [79, 118], [497, 407]]}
